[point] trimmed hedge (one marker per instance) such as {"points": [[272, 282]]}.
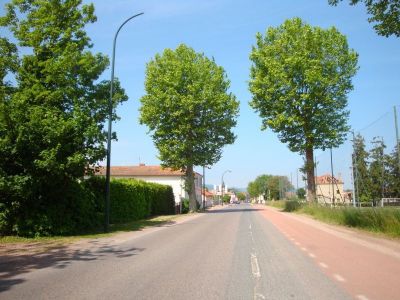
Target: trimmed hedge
{"points": [[132, 199], [79, 207]]}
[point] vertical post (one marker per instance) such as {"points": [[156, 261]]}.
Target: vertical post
{"points": [[222, 192], [332, 180], [383, 172], [315, 179], [291, 183], [204, 188], [352, 183], [110, 110], [397, 136], [355, 169]]}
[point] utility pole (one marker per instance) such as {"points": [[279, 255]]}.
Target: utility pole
{"points": [[397, 136], [332, 180], [354, 161], [109, 133], [353, 196], [383, 171], [204, 188], [291, 184]]}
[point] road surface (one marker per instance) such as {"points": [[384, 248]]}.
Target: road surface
{"points": [[238, 252]]}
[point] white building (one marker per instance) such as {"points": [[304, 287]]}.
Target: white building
{"points": [[218, 189], [157, 174]]}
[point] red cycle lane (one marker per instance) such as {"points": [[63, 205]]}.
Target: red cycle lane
{"points": [[366, 267]]}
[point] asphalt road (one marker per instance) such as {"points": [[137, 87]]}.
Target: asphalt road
{"points": [[238, 252]]}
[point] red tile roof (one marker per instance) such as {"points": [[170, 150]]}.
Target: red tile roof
{"points": [[207, 193], [141, 170], [327, 179]]}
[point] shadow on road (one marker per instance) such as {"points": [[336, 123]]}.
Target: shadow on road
{"points": [[232, 210], [60, 257]]}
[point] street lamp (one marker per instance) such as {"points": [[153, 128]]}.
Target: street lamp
{"points": [[110, 110], [222, 186]]}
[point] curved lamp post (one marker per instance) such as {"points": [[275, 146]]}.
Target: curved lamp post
{"points": [[222, 186], [110, 110]]}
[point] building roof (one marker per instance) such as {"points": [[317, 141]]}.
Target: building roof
{"points": [[327, 179], [207, 193], [140, 170]]}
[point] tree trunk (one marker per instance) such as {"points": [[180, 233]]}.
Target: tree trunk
{"points": [[311, 195], [190, 188]]}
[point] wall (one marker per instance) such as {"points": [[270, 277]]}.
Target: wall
{"points": [[324, 193]]}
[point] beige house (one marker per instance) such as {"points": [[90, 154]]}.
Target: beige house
{"points": [[157, 174], [208, 198], [328, 190]]}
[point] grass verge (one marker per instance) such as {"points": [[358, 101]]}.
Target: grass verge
{"points": [[276, 204], [114, 228], [384, 220]]}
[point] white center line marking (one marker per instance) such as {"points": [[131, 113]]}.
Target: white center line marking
{"points": [[303, 248], [311, 254], [325, 266], [339, 278], [297, 243], [255, 269], [362, 297]]}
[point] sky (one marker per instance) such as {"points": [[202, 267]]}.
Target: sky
{"points": [[226, 31]]}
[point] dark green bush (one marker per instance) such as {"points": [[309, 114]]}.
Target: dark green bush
{"points": [[78, 207], [132, 199], [292, 205], [185, 206]]}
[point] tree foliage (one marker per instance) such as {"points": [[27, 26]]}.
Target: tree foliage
{"points": [[299, 80], [376, 174], [188, 110], [51, 118], [385, 14], [269, 186], [360, 165]]}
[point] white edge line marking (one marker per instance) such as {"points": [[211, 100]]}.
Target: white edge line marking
{"points": [[339, 278], [255, 269], [259, 296]]}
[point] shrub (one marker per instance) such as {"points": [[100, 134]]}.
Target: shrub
{"points": [[78, 207], [185, 205], [132, 199], [292, 205]]}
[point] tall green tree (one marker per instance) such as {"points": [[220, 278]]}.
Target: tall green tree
{"points": [[385, 14], [377, 169], [393, 175], [51, 124], [189, 111], [300, 78], [252, 189], [362, 180]]}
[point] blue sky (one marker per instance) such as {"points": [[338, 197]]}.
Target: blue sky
{"points": [[226, 30]]}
